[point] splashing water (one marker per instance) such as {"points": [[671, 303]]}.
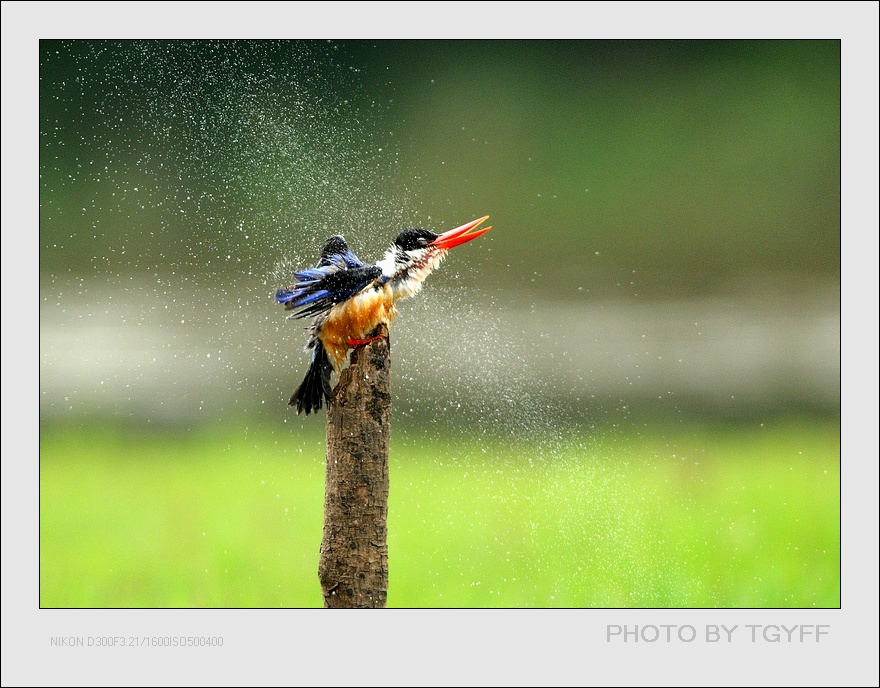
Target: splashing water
{"points": [[176, 173]]}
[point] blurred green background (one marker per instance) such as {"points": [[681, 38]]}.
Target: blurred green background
{"points": [[626, 394]]}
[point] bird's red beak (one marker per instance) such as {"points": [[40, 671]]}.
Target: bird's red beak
{"points": [[460, 235]]}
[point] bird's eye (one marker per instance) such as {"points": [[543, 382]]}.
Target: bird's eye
{"points": [[423, 241]]}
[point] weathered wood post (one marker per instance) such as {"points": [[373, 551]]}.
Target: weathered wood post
{"points": [[353, 568]]}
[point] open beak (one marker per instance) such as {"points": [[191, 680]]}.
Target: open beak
{"points": [[460, 235]]}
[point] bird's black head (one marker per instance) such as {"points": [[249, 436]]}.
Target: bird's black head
{"points": [[413, 238]]}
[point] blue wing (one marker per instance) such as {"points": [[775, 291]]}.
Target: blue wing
{"points": [[317, 290], [336, 252], [338, 276]]}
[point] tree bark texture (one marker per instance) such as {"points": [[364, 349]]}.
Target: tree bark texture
{"points": [[353, 568]]}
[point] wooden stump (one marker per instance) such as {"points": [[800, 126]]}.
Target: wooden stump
{"points": [[353, 569]]}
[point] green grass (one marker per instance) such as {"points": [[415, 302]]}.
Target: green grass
{"points": [[646, 517]]}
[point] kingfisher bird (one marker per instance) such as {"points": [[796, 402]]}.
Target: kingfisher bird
{"points": [[348, 299]]}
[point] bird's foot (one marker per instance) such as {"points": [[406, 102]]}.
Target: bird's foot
{"points": [[354, 343]]}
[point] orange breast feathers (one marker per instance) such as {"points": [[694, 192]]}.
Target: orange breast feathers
{"points": [[355, 318]]}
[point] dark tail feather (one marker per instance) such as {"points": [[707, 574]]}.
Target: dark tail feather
{"points": [[309, 396]]}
